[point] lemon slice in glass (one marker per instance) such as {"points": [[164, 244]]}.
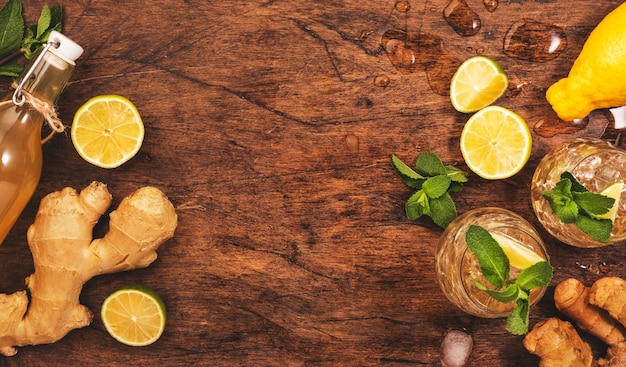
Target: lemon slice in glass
{"points": [[496, 143], [107, 131], [613, 191], [476, 84], [134, 315], [520, 256]]}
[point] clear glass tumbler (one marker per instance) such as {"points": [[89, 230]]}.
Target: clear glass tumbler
{"points": [[458, 269], [596, 164]]}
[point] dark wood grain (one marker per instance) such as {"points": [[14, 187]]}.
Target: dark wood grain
{"points": [[265, 127]]}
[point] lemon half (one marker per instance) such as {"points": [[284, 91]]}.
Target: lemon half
{"points": [[107, 131], [477, 83]]}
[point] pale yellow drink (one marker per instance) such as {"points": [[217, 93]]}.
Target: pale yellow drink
{"points": [[596, 164], [457, 268]]}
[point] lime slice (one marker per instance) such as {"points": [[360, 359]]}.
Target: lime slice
{"points": [[613, 191], [134, 315], [107, 131], [477, 83], [520, 256], [496, 143]]}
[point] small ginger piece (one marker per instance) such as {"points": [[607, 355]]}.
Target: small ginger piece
{"points": [[65, 258], [615, 356], [571, 297], [609, 293], [558, 344]]}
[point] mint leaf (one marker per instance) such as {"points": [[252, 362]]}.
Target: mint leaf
{"points": [[429, 164], [576, 186], [571, 202], [456, 175], [11, 68], [417, 205], [517, 321], [493, 262], [509, 294], [434, 182], [11, 27], [37, 34], [536, 275], [442, 210], [593, 203], [436, 186], [562, 201], [409, 177], [598, 229]]}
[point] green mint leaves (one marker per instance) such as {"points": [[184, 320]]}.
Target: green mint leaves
{"points": [[571, 202], [495, 268], [15, 40], [433, 182]]}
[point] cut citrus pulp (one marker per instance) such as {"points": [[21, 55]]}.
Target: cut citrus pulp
{"points": [[496, 143], [134, 315], [107, 131], [476, 84], [613, 191], [520, 257]]}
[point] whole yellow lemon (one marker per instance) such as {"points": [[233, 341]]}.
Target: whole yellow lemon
{"points": [[598, 76]]}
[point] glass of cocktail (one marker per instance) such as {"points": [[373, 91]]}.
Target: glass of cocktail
{"points": [[597, 165], [458, 270]]}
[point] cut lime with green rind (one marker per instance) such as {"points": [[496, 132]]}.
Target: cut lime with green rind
{"points": [[477, 83], [134, 315]]}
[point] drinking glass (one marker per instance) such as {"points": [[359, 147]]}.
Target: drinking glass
{"points": [[596, 164], [458, 269]]}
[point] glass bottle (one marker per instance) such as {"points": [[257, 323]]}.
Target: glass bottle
{"points": [[458, 269], [596, 164], [21, 123]]}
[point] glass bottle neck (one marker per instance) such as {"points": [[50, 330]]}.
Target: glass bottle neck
{"points": [[48, 78]]}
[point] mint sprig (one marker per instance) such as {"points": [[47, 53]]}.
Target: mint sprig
{"points": [[571, 202], [433, 182], [495, 268], [17, 40]]}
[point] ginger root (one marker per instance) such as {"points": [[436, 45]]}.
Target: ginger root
{"points": [[65, 258], [609, 293], [558, 344], [571, 297]]}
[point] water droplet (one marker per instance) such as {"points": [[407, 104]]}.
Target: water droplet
{"points": [[352, 142], [549, 127], [382, 81], [403, 6], [401, 48], [410, 52], [462, 18], [490, 5], [530, 40], [363, 36]]}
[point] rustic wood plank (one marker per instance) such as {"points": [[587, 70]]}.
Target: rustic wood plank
{"points": [[266, 128]]}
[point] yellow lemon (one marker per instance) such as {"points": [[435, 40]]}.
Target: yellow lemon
{"points": [[520, 256], [595, 79], [134, 315], [495, 143], [107, 131], [476, 84]]}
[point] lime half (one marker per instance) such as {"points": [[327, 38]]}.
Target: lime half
{"points": [[477, 83], [496, 143], [134, 315]]}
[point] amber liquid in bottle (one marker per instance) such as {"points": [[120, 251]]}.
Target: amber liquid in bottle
{"points": [[20, 137]]}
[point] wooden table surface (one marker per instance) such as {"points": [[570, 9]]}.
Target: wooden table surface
{"points": [[269, 125]]}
